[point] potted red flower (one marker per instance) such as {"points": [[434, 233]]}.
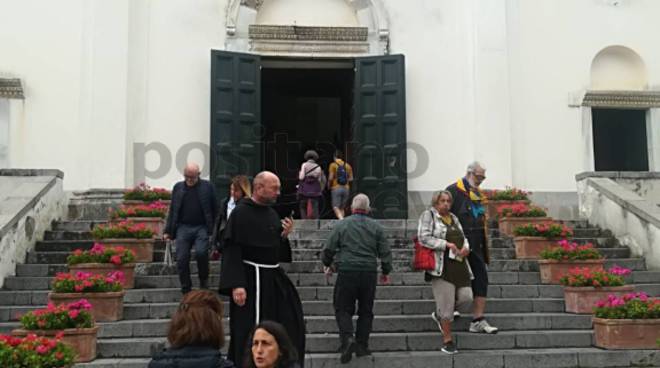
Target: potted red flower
{"points": [[34, 351], [71, 323], [497, 198], [136, 237], [104, 293], [143, 194], [584, 287], [628, 322], [101, 260], [511, 216], [531, 239], [556, 262], [152, 215]]}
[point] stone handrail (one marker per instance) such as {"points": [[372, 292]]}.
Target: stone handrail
{"points": [[633, 220], [29, 202]]}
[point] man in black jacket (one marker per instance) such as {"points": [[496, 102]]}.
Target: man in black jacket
{"points": [[190, 222]]}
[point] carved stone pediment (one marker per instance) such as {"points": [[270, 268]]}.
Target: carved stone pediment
{"points": [[622, 99], [11, 88]]}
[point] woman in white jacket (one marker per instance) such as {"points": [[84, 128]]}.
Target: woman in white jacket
{"points": [[441, 231]]}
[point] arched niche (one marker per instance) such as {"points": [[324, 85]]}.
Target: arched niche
{"points": [[618, 68], [307, 28]]}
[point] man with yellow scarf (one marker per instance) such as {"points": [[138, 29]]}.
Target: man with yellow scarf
{"points": [[468, 206]]}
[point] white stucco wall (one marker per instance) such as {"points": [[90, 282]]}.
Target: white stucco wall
{"points": [[486, 79]]}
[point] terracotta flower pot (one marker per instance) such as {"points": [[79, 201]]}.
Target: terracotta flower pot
{"points": [[529, 247], [82, 340], [552, 270], [104, 268], [492, 207], [626, 333], [143, 248], [155, 224], [582, 299], [106, 307], [507, 224], [133, 204]]}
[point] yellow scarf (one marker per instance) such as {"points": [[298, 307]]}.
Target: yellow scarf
{"points": [[475, 194]]}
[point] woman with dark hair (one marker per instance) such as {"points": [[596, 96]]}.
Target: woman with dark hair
{"points": [[238, 189], [269, 346], [195, 334]]}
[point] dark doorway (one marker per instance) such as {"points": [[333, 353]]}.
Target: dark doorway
{"points": [[620, 140], [304, 109]]}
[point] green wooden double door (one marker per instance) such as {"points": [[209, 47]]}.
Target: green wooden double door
{"points": [[378, 126]]}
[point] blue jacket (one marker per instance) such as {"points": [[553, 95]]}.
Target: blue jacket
{"points": [[190, 357], [208, 202]]}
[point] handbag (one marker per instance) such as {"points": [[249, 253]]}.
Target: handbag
{"points": [[309, 186], [424, 258]]}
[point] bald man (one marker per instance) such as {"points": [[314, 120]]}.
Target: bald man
{"points": [[255, 242], [190, 223]]}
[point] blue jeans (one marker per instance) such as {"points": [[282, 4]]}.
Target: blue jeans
{"points": [[186, 237]]}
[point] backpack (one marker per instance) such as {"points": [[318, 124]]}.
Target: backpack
{"points": [[342, 174], [310, 185]]}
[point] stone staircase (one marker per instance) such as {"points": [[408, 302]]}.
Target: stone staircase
{"points": [[534, 330]]}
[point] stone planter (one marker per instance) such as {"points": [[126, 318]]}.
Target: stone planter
{"points": [[82, 340], [106, 307], [507, 224], [493, 206], [529, 247], [155, 224], [143, 248], [133, 204], [552, 270], [104, 268], [626, 333], [582, 299]]}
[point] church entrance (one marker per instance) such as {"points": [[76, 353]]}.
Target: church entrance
{"points": [[620, 140], [266, 112]]}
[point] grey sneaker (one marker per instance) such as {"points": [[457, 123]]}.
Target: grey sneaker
{"points": [[437, 321], [449, 348], [483, 327]]}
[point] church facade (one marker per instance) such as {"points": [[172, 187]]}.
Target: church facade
{"points": [[119, 92]]}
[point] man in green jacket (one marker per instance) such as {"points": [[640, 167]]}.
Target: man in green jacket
{"points": [[359, 241]]}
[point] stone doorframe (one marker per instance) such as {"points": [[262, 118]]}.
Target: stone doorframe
{"points": [[643, 100], [371, 38]]}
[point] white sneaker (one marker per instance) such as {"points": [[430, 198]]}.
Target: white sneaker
{"points": [[457, 314], [437, 321], [482, 326]]}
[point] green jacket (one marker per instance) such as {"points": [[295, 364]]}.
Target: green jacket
{"points": [[359, 241]]}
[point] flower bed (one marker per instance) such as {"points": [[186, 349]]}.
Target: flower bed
{"points": [[34, 351], [102, 260], [558, 261], [500, 198], [628, 322], [531, 239], [519, 214], [583, 287], [72, 323], [150, 215], [136, 237], [104, 293], [145, 193]]}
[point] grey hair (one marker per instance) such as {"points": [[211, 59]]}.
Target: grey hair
{"points": [[475, 165], [438, 194], [360, 202]]}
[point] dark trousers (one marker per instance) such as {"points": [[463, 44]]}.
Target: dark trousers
{"points": [[352, 286], [477, 242], [187, 237]]}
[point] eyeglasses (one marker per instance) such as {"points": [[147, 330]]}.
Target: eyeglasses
{"points": [[189, 177], [480, 177]]}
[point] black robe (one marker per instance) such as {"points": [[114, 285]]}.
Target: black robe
{"points": [[253, 233]]}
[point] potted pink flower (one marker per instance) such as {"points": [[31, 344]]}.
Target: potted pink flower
{"points": [[102, 260], [557, 261], [531, 239], [136, 237], [631, 321], [104, 293], [34, 351], [72, 324], [497, 198], [583, 287], [152, 215], [510, 216], [143, 194]]}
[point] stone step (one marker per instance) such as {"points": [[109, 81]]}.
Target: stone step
{"points": [[322, 308], [505, 358], [79, 225], [598, 242], [382, 323], [588, 232]]}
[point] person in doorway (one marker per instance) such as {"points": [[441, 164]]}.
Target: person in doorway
{"points": [[340, 176], [238, 189], [195, 334], [190, 223], [441, 231], [310, 186], [270, 347], [468, 206], [255, 241], [360, 242]]}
